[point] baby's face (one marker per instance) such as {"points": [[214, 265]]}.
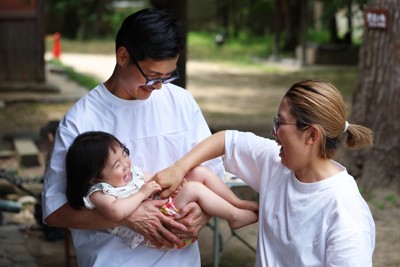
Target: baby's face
{"points": [[117, 171]]}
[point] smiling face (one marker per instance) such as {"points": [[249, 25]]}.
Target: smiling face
{"points": [[128, 81], [152, 69], [117, 170], [292, 140]]}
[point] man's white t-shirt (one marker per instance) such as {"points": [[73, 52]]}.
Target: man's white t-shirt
{"points": [[326, 223], [157, 131]]}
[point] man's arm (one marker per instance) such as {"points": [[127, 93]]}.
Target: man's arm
{"points": [[67, 217], [147, 220]]}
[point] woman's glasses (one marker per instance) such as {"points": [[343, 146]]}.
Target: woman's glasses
{"points": [[276, 123]]}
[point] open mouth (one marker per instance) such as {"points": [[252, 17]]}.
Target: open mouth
{"points": [[148, 88], [127, 177], [281, 151]]}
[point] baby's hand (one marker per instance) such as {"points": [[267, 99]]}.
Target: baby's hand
{"points": [[150, 188]]}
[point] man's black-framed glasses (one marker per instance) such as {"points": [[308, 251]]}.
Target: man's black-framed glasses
{"points": [[174, 76]]}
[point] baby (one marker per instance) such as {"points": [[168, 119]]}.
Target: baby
{"points": [[100, 175]]}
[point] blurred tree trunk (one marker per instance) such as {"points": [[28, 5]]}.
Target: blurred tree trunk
{"points": [[333, 29], [223, 15], [376, 104], [70, 23], [290, 10], [348, 36], [278, 17], [177, 8], [236, 7], [303, 30]]}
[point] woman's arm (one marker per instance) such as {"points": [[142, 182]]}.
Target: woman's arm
{"points": [[192, 216], [211, 147]]}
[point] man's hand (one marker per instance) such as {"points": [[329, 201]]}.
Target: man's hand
{"points": [[169, 179], [193, 217], [150, 222]]}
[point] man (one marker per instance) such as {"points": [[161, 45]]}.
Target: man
{"points": [[158, 122]]}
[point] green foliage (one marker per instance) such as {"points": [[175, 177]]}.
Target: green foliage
{"points": [[116, 20], [242, 50], [344, 78], [318, 37], [84, 80], [392, 199], [368, 195], [378, 203], [84, 19], [331, 6], [381, 203], [252, 17], [330, 9], [56, 63], [93, 46]]}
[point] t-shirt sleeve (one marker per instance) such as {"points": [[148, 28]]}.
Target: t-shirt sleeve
{"points": [[250, 157], [86, 199], [351, 233], [55, 180]]}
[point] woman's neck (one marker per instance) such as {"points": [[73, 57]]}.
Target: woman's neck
{"points": [[317, 171]]}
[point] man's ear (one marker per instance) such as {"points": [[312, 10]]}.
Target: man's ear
{"points": [[313, 135], [123, 56]]}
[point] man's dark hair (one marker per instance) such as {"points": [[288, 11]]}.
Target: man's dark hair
{"points": [[86, 158], [151, 34]]}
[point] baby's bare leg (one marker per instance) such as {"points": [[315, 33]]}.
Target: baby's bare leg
{"points": [[205, 176], [214, 205]]}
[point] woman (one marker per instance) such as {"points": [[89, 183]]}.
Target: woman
{"points": [[311, 212]]}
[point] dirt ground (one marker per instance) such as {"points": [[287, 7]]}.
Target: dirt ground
{"points": [[238, 98]]}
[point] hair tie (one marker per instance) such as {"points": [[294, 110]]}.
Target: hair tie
{"points": [[346, 126]]}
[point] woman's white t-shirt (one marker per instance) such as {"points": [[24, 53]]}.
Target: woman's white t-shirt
{"points": [[326, 223]]}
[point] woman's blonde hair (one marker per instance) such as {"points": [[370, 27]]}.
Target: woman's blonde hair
{"points": [[320, 104]]}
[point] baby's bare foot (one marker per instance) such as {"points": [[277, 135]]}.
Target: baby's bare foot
{"points": [[248, 205], [243, 218]]}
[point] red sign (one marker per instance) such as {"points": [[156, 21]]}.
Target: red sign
{"points": [[376, 18]]}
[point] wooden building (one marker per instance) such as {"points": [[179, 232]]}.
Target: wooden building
{"points": [[22, 32]]}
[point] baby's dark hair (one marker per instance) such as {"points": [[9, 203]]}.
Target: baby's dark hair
{"points": [[85, 161]]}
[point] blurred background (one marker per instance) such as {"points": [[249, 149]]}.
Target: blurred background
{"points": [[241, 57]]}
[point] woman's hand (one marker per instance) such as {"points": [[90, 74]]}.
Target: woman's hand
{"points": [[150, 222], [169, 179]]}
